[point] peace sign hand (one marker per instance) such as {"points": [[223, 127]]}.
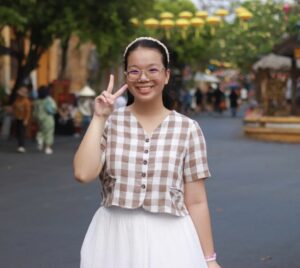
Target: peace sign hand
{"points": [[104, 103]]}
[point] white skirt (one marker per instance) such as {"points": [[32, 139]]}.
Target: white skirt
{"points": [[135, 238]]}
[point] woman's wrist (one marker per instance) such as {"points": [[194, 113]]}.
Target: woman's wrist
{"points": [[212, 257]]}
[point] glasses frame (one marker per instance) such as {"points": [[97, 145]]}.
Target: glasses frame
{"points": [[126, 73]]}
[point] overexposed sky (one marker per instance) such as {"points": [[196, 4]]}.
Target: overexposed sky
{"points": [[213, 5]]}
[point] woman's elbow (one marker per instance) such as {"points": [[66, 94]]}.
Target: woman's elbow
{"points": [[82, 177]]}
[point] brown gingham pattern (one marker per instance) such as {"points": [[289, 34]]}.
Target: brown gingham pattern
{"points": [[150, 171]]}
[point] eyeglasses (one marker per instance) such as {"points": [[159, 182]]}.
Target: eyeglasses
{"points": [[151, 73]]}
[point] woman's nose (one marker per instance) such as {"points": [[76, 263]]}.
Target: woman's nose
{"points": [[143, 76]]}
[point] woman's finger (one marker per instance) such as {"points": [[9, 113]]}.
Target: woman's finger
{"points": [[102, 98], [106, 94], [120, 91], [110, 84]]}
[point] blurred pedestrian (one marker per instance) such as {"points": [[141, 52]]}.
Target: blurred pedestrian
{"points": [[233, 99], [64, 119], [22, 112], [44, 111], [219, 99], [199, 99], [85, 106], [152, 164], [186, 100]]}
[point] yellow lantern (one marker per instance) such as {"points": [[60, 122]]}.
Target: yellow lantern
{"points": [[213, 21], [245, 16], [134, 22], [151, 23], [183, 24], [167, 24], [197, 23], [185, 15], [221, 12], [201, 14], [240, 9], [166, 15]]}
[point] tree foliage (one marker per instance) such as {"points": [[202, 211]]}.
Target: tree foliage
{"points": [[39, 22]]}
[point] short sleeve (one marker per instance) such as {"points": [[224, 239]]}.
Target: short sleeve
{"points": [[195, 162], [103, 144]]}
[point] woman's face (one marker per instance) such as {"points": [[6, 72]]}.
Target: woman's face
{"points": [[146, 74]]}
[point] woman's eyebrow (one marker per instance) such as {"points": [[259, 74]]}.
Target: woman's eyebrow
{"points": [[149, 65]]}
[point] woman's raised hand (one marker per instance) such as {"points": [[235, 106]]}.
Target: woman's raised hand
{"points": [[104, 103]]}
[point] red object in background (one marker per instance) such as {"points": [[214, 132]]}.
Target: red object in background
{"points": [[59, 88], [286, 8]]}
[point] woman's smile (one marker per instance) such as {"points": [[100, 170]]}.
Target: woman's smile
{"points": [[144, 89]]}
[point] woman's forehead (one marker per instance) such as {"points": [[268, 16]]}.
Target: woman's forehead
{"points": [[146, 55]]}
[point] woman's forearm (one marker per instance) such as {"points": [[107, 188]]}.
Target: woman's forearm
{"points": [[87, 160], [200, 216]]}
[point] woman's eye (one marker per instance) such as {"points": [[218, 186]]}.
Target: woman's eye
{"points": [[153, 70], [134, 72]]}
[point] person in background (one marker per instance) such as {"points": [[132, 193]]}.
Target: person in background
{"points": [[85, 105], [199, 99], [233, 99], [44, 111], [152, 164], [219, 99], [22, 112]]}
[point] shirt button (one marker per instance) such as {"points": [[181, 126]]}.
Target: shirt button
{"points": [[147, 140], [145, 162], [143, 174], [143, 186], [146, 151]]}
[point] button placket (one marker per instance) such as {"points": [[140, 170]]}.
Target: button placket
{"points": [[145, 162]]}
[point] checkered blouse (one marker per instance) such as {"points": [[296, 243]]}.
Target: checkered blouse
{"points": [[149, 171]]}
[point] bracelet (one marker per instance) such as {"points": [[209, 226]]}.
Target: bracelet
{"points": [[212, 257]]}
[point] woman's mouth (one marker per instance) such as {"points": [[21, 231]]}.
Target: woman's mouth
{"points": [[144, 89]]}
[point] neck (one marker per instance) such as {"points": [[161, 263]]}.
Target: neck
{"points": [[152, 108]]}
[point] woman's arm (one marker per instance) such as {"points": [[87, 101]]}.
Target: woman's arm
{"points": [[87, 161], [196, 203]]}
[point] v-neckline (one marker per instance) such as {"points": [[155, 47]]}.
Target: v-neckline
{"points": [[146, 134]]}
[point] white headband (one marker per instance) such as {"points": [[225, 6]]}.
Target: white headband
{"points": [[151, 39]]}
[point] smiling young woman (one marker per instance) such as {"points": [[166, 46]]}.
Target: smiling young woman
{"points": [[152, 164]]}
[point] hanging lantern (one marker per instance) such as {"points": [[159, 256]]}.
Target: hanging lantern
{"points": [[213, 21], [185, 15], [245, 16], [222, 13], [240, 9], [183, 24], [167, 24], [151, 23], [197, 23], [166, 15], [201, 14], [134, 22]]}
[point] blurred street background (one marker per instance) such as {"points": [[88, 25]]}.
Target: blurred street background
{"points": [[235, 68], [253, 196]]}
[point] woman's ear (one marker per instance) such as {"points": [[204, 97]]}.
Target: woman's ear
{"points": [[167, 76]]}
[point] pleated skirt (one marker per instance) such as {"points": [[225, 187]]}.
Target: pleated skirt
{"points": [[135, 238]]}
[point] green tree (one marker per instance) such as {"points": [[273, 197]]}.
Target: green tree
{"points": [[106, 23], [244, 42]]}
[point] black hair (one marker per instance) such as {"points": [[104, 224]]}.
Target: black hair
{"points": [[147, 43], [43, 92]]}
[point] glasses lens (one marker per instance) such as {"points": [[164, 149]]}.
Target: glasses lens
{"points": [[152, 73]]}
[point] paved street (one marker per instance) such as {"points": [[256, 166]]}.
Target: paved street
{"points": [[254, 199]]}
